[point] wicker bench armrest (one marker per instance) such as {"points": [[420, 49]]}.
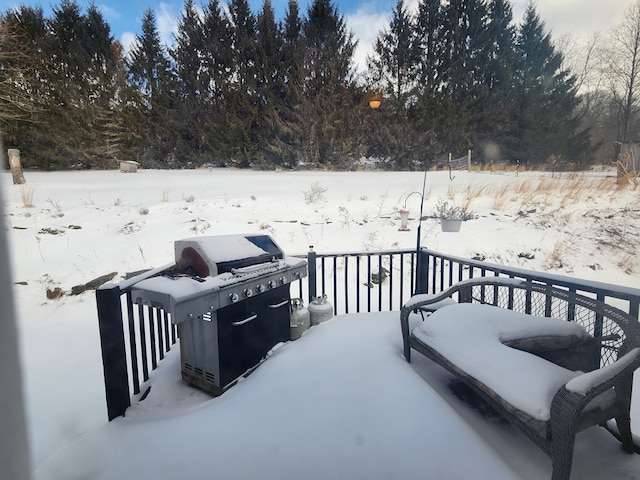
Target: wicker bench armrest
{"points": [[592, 384]]}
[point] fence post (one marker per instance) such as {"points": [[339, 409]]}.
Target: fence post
{"points": [[114, 358], [422, 271], [311, 261], [16, 166]]}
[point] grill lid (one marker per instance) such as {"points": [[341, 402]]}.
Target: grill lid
{"points": [[213, 255]]}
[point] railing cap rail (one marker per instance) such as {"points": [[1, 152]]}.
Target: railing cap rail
{"points": [[358, 254], [608, 289]]}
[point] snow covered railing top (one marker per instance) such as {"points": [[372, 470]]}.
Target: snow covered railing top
{"points": [[438, 271]]}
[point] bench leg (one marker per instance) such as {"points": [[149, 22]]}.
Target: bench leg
{"points": [[564, 416], [623, 421], [404, 326], [562, 452], [407, 351], [624, 427]]}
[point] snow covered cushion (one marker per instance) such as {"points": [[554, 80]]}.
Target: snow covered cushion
{"points": [[472, 337]]}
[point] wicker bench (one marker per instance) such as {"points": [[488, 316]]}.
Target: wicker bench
{"points": [[548, 377]]}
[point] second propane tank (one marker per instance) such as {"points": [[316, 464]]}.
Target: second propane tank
{"points": [[320, 309], [300, 318]]}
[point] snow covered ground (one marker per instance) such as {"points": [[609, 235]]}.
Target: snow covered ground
{"points": [[341, 402]]}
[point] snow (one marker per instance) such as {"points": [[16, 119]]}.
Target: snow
{"points": [[224, 248], [472, 337], [341, 402]]}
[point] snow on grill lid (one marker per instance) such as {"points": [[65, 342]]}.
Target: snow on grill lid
{"points": [[206, 253]]}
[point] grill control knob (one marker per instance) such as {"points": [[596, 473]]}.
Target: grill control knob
{"points": [[283, 280], [260, 288], [248, 292], [271, 284], [233, 297]]}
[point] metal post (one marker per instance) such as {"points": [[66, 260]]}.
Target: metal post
{"points": [[114, 358], [422, 270], [311, 260]]}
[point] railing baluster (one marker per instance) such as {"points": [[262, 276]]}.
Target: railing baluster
{"points": [[358, 283], [335, 285], [167, 327], [160, 335], [390, 282], [401, 279], [152, 337], [369, 283], [133, 345], [380, 279], [143, 344], [346, 284]]}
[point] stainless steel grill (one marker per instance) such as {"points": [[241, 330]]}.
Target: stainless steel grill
{"points": [[229, 296]]}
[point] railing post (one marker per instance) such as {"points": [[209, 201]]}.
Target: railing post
{"points": [[114, 359], [422, 271], [311, 261]]}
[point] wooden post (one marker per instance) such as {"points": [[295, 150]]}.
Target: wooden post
{"points": [[469, 160], [16, 166]]}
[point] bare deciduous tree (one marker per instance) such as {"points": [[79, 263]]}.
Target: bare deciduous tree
{"points": [[16, 100], [623, 69]]}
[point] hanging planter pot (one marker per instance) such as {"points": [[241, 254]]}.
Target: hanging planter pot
{"points": [[450, 224]]}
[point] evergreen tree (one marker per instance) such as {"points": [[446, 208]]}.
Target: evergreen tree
{"points": [[546, 121], [328, 85], [395, 56], [270, 86], [149, 101], [464, 55], [78, 67], [393, 72], [494, 115], [430, 38], [292, 110], [244, 116], [192, 86]]}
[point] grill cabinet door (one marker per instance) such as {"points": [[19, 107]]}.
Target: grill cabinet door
{"points": [[249, 329]]}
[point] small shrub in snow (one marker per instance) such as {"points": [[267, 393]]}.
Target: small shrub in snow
{"points": [[267, 227], [316, 193], [143, 211], [189, 199]]}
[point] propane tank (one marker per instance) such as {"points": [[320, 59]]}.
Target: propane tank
{"points": [[321, 310], [300, 318]]}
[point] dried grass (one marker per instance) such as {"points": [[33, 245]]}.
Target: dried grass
{"points": [[500, 197], [555, 257], [26, 194]]}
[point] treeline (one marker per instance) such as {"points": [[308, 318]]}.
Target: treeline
{"points": [[245, 89]]}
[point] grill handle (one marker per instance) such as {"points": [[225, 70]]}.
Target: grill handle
{"points": [[246, 320], [278, 305]]}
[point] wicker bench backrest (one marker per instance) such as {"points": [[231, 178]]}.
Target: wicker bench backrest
{"points": [[616, 331]]}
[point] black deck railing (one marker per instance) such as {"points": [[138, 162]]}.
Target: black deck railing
{"points": [[134, 338]]}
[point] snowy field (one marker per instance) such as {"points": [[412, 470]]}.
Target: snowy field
{"points": [[339, 403]]}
